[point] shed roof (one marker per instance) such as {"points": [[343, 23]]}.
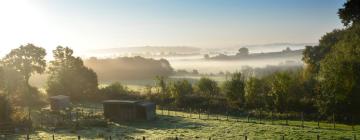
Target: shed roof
{"points": [[146, 103], [59, 97], [120, 102]]}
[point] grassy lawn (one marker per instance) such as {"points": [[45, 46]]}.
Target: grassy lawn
{"points": [[186, 126]]}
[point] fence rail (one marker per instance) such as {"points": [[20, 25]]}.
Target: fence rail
{"points": [[113, 137], [299, 120], [85, 112]]}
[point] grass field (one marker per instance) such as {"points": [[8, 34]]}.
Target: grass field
{"points": [[185, 126]]}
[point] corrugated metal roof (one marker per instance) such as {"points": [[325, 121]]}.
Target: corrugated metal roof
{"points": [[120, 102], [59, 97]]}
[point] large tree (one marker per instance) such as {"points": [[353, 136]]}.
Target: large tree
{"points": [[27, 60], [350, 13], [340, 76], [234, 90], [243, 51], [256, 93], [312, 55], [180, 89], [208, 87], [69, 76], [285, 90]]}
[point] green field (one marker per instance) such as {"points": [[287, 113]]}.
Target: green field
{"points": [[185, 126]]}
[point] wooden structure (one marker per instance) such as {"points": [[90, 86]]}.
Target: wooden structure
{"points": [[124, 110], [59, 102], [4, 109]]}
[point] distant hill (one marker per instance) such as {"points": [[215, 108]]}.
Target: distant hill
{"points": [[129, 68], [269, 55], [146, 51]]}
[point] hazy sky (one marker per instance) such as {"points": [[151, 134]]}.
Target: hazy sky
{"points": [[89, 24]]}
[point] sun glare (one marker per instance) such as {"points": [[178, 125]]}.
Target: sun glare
{"points": [[21, 22]]}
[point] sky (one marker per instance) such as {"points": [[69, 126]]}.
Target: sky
{"points": [[95, 24]]}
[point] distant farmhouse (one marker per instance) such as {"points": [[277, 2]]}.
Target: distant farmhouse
{"points": [[124, 110]]}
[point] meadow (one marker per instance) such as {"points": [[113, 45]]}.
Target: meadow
{"points": [[172, 124]]}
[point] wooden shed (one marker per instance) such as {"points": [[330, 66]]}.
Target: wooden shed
{"points": [[125, 110], [59, 102]]}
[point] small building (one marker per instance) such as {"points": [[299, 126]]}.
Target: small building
{"points": [[124, 110], [59, 102]]}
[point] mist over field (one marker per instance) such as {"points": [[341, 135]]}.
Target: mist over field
{"points": [[190, 58], [138, 66], [179, 69]]}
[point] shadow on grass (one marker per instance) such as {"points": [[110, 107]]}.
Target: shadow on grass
{"points": [[164, 122]]}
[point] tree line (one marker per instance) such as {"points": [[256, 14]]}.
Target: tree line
{"points": [[329, 84]]}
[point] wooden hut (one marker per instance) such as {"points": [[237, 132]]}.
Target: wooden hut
{"points": [[147, 110], [124, 110], [59, 102]]}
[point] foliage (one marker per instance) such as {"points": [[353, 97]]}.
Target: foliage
{"points": [[129, 68], [69, 76], [4, 109], [243, 51], [208, 87], [234, 90], [116, 91], [340, 75], [256, 93], [180, 89], [10, 80], [350, 13], [26, 60], [312, 55], [16, 69], [285, 91]]}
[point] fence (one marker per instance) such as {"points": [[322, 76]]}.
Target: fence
{"points": [[83, 112], [299, 120], [55, 137]]}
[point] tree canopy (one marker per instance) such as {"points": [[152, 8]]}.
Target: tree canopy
{"points": [[350, 13], [27, 60], [69, 76], [234, 89], [243, 51], [340, 75]]}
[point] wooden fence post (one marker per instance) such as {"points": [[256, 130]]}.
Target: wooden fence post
{"points": [[260, 116], [318, 121], [245, 137], [190, 113], [333, 117], [53, 137], [199, 113], [302, 119], [248, 118], [227, 115], [352, 123], [168, 113], [208, 114], [272, 119], [79, 137], [143, 137]]}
